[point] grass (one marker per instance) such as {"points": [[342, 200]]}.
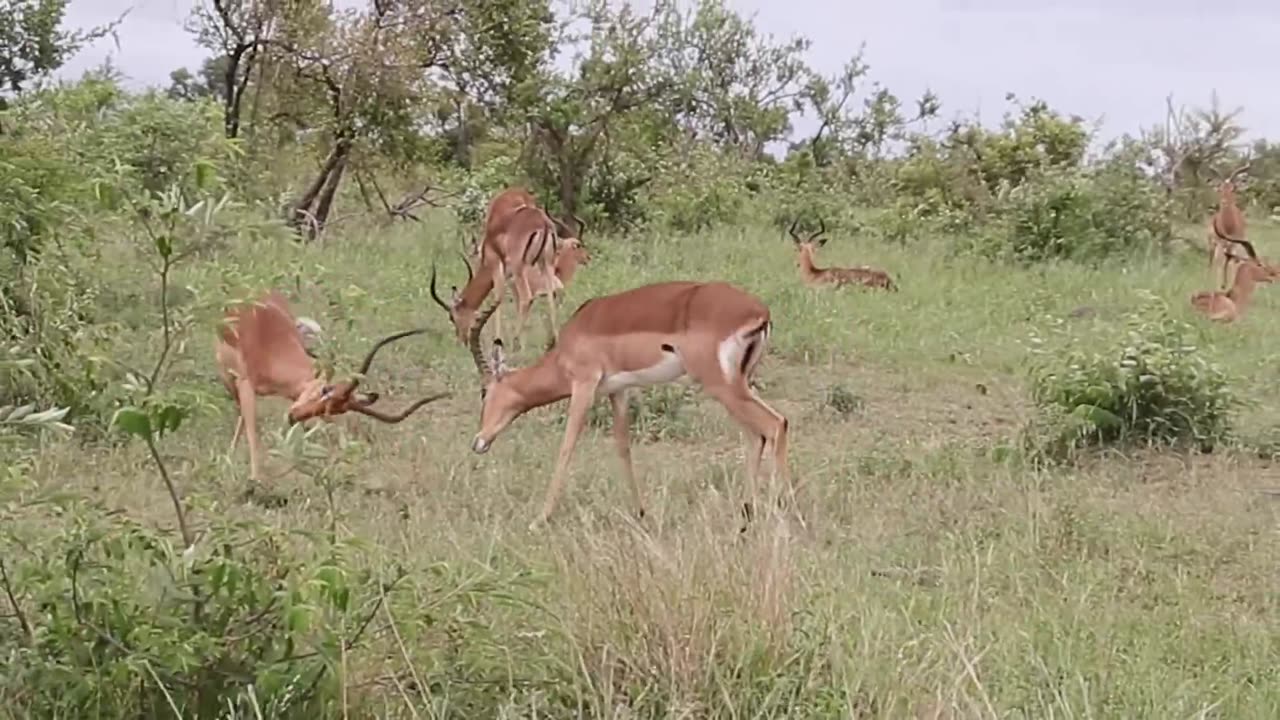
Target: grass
{"points": [[935, 577]]}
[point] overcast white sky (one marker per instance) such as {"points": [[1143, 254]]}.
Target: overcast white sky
{"points": [[1108, 60]]}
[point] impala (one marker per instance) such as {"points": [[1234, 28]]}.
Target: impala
{"points": [[1227, 226], [650, 335], [1230, 305], [517, 236], [260, 352], [571, 256], [814, 275]]}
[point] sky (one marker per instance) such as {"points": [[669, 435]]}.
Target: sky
{"points": [[1112, 62]]}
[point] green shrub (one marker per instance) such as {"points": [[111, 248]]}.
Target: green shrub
{"points": [[1077, 215], [1151, 387], [116, 620]]}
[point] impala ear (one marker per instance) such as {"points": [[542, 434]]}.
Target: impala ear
{"points": [[362, 398], [822, 242], [498, 359]]}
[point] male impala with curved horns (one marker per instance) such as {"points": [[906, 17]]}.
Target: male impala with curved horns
{"points": [[260, 352], [814, 275], [1227, 226], [650, 335]]}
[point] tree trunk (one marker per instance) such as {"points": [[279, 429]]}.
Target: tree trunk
{"points": [[306, 211], [325, 202]]}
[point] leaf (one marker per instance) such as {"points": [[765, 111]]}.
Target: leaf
{"points": [[164, 245], [132, 421], [169, 418], [298, 618], [1096, 416], [204, 174]]}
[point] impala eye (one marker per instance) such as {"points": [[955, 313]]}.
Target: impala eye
{"points": [[326, 391]]}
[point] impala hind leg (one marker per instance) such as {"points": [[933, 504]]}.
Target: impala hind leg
{"points": [[579, 404], [622, 443], [764, 424]]}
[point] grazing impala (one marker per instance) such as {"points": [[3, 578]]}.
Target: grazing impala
{"points": [[1227, 226], [260, 352], [516, 236], [814, 275], [1230, 305], [650, 335]]}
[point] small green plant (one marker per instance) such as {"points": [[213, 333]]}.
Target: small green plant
{"points": [[842, 402], [656, 414], [1152, 387]]}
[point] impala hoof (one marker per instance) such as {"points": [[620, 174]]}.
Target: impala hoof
{"points": [[479, 446]]}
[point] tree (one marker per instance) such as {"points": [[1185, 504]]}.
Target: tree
{"points": [[362, 77], [33, 43]]}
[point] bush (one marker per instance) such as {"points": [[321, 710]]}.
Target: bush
{"points": [[1153, 387], [1078, 215], [115, 620]]}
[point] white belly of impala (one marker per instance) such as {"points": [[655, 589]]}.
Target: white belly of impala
{"points": [[664, 372]]}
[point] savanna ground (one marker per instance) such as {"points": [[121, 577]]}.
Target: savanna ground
{"points": [[938, 574]]}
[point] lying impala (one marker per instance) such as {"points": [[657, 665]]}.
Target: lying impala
{"points": [[518, 234], [649, 335], [814, 275], [260, 352], [1227, 226], [1230, 305]]}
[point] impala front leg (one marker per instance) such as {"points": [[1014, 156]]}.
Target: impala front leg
{"points": [[249, 413], [579, 404], [622, 441]]}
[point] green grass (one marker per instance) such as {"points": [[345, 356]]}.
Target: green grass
{"points": [[933, 578]]}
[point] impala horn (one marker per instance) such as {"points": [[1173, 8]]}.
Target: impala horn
{"points": [[470, 273], [792, 230], [473, 341], [435, 295], [1248, 247], [364, 408], [822, 230]]}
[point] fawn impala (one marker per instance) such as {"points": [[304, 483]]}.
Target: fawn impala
{"points": [[1227, 226], [518, 234], [650, 335], [260, 352], [1230, 305], [814, 275]]}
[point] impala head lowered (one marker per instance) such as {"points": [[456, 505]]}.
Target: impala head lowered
{"points": [[321, 398], [500, 401], [460, 315]]}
